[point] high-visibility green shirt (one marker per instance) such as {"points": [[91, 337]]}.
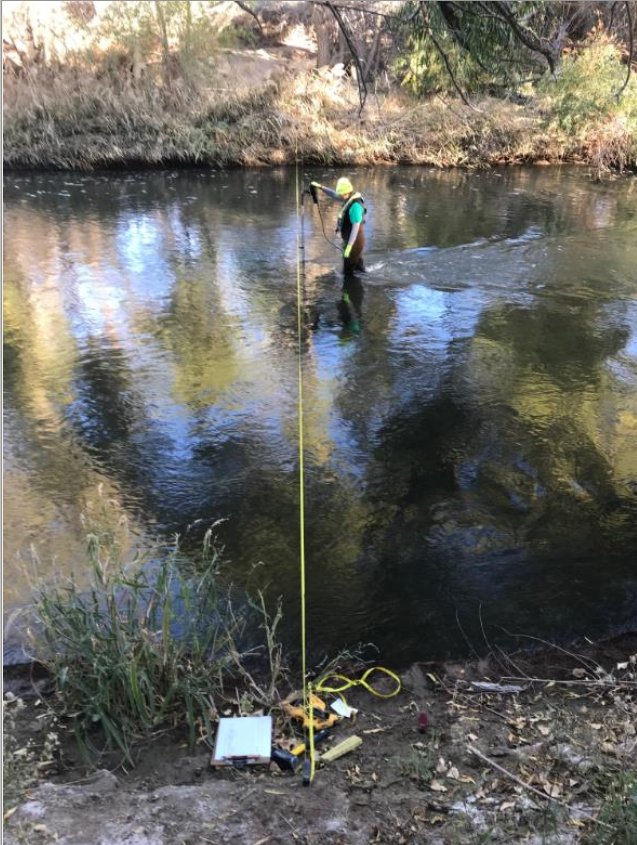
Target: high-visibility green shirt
{"points": [[356, 212]]}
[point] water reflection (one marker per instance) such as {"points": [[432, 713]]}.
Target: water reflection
{"points": [[350, 305], [471, 432]]}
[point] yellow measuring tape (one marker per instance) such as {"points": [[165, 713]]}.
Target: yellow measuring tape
{"points": [[347, 683], [306, 692]]}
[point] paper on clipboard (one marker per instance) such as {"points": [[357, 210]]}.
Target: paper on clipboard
{"points": [[246, 740]]}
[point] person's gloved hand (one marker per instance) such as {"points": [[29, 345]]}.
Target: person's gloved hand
{"points": [[316, 185], [347, 250]]}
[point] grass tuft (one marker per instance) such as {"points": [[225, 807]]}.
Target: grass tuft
{"points": [[618, 813], [419, 766], [143, 646]]}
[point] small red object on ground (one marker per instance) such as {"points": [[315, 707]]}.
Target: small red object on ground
{"points": [[423, 722]]}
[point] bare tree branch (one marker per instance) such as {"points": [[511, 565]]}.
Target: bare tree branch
{"points": [[360, 78], [373, 51], [487, 13], [251, 12], [165, 47], [445, 58], [532, 788], [361, 8], [630, 50], [523, 34]]}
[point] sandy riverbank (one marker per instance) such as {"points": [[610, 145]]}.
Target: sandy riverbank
{"points": [[552, 763]]}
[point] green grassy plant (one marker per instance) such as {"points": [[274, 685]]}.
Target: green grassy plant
{"points": [[262, 686], [143, 646], [419, 766], [618, 813]]}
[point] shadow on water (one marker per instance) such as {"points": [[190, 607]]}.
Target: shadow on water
{"points": [[471, 420]]}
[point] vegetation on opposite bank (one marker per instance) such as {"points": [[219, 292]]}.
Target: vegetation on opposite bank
{"points": [[156, 96]]}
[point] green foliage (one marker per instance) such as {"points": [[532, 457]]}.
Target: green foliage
{"points": [[586, 87], [483, 53], [189, 28], [141, 645], [237, 35], [135, 27], [619, 813], [132, 25], [584, 103], [419, 766]]}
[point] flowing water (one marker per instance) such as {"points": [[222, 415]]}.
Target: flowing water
{"points": [[471, 404]]}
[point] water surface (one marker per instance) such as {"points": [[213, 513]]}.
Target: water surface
{"points": [[471, 406]]}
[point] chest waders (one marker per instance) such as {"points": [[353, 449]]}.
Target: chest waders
{"points": [[344, 227]]}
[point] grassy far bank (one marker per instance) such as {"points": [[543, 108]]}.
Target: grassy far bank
{"points": [[69, 118], [141, 664]]}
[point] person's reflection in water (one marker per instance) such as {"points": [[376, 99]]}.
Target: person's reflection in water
{"points": [[350, 305]]}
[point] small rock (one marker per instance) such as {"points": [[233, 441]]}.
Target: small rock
{"points": [[567, 754]]}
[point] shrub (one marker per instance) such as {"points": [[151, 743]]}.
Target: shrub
{"points": [[584, 103]]}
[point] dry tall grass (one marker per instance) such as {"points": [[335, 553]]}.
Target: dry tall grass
{"points": [[74, 120]]}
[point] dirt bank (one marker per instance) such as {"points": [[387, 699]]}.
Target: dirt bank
{"points": [[551, 763]]}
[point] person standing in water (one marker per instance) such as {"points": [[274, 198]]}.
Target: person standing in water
{"points": [[350, 224]]}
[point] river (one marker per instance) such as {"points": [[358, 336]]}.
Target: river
{"points": [[471, 404]]}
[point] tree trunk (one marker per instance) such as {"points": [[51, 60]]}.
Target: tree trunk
{"points": [[138, 62], [325, 29], [188, 28], [373, 52], [165, 48]]}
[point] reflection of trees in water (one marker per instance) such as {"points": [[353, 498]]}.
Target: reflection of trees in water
{"points": [[509, 467], [49, 482], [39, 355], [554, 378], [442, 209]]}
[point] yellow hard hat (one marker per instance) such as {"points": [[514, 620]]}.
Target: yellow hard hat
{"points": [[344, 186]]}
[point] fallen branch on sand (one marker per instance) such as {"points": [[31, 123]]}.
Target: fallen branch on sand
{"points": [[531, 788], [485, 686], [604, 683]]}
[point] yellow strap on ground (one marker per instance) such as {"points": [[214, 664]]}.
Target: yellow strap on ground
{"points": [[306, 692], [347, 683]]}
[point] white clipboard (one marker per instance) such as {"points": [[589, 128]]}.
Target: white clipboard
{"points": [[245, 740]]}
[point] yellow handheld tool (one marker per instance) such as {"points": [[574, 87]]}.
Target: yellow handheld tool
{"points": [[321, 717], [291, 761]]}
